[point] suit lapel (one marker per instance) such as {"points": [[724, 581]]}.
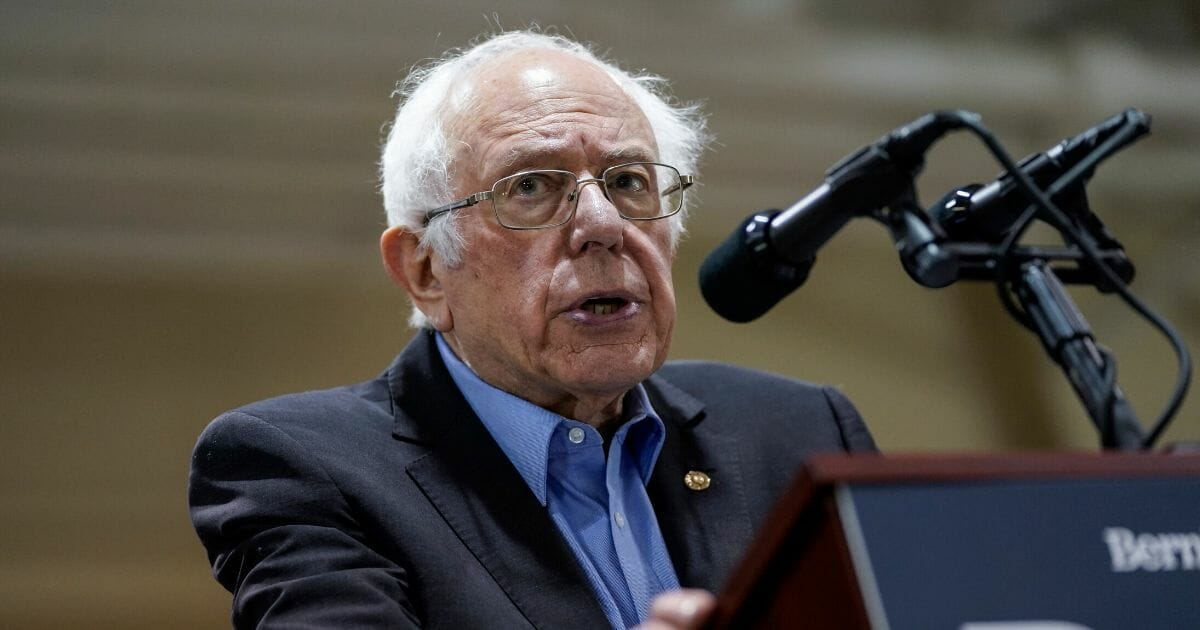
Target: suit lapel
{"points": [[483, 498], [706, 531]]}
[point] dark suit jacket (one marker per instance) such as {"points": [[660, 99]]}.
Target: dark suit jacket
{"points": [[388, 504]]}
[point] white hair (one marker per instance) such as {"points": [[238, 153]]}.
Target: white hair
{"points": [[416, 169]]}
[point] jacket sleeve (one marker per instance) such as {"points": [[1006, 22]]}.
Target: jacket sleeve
{"points": [[855, 435], [281, 536]]}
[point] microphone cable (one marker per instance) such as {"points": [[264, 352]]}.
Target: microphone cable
{"points": [[1059, 219]]}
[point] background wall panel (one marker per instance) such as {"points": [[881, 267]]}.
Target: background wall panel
{"points": [[188, 221]]}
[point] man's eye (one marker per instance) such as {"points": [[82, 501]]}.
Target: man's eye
{"points": [[530, 185], [628, 182], [538, 185]]}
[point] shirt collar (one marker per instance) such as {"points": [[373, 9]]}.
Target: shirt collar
{"points": [[523, 430]]}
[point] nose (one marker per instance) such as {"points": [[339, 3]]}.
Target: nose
{"points": [[597, 222]]}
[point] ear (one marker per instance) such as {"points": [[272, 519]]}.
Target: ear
{"points": [[410, 266]]}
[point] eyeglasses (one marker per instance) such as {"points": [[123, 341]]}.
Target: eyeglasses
{"points": [[641, 191]]}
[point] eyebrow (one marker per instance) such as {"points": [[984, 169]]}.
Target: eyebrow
{"points": [[630, 154], [524, 159], [519, 159]]}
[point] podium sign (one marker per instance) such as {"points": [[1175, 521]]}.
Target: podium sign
{"points": [[1062, 541], [1121, 553]]}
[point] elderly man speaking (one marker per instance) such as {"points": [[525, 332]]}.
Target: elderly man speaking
{"points": [[528, 460]]}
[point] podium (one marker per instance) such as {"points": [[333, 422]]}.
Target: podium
{"points": [[1035, 541]]}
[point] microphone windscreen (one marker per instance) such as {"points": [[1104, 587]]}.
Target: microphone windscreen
{"points": [[742, 278]]}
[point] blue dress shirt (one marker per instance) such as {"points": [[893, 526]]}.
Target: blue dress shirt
{"points": [[599, 504]]}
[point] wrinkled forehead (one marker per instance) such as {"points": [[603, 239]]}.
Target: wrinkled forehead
{"points": [[534, 86]]}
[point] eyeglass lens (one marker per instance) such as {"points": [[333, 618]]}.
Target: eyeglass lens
{"points": [[546, 198]]}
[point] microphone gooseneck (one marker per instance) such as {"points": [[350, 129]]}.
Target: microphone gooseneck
{"points": [[989, 212], [771, 253]]}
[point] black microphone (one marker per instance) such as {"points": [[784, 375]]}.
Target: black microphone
{"points": [[987, 212], [772, 252]]}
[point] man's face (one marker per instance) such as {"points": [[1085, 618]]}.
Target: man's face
{"points": [[523, 304]]}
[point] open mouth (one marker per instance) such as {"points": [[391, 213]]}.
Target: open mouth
{"points": [[603, 305]]}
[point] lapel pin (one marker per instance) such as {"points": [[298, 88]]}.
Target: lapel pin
{"points": [[697, 480]]}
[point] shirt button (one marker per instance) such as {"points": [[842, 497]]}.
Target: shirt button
{"points": [[575, 435], [620, 518]]}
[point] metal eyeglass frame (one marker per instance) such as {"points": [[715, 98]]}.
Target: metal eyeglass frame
{"points": [[685, 182]]}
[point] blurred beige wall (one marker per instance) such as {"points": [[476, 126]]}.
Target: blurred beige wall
{"points": [[188, 222]]}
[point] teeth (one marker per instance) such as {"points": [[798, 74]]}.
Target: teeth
{"points": [[600, 309]]}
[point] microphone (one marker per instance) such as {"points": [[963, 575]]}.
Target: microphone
{"points": [[772, 252], [987, 212]]}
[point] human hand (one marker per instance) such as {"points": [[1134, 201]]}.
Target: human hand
{"points": [[684, 609]]}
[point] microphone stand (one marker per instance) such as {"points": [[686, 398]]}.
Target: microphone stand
{"points": [[1068, 340], [878, 181], [934, 261]]}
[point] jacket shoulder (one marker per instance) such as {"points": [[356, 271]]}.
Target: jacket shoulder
{"points": [[316, 421], [758, 402], [710, 373], [347, 402]]}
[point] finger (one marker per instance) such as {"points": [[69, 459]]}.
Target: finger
{"points": [[685, 608]]}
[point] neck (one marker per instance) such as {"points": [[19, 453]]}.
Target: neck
{"points": [[600, 410], [603, 413]]}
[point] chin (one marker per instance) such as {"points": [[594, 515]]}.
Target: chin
{"points": [[615, 368]]}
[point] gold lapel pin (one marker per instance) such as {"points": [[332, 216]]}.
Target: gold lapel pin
{"points": [[697, 480]]}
